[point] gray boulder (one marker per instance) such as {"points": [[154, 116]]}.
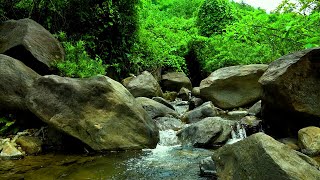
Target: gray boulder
{"points": [[98, 111], [291, 98], [234, 86], [156, 109], [195, 91], [143, 85], [207, 133], [261, 157], [163, 101], [255, 109], [174, 81], [29, 42], [15, 81], [205, 110], [166, 123], [184, 94]]}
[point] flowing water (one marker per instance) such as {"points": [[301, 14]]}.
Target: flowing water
{"points": [[169, 160]]}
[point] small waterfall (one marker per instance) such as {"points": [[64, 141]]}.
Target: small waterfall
{"points": [[168, 138], [237, 134]]}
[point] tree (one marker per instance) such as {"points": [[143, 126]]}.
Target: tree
{"points": [[214, 16]]}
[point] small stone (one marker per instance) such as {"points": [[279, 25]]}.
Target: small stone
{"points": [[239, 114]]}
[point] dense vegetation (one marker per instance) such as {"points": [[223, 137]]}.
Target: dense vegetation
{"points": [[127, 36], [118, 37]]}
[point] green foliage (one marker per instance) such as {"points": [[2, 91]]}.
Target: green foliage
{"points": [[77, 61], [256, 37], [163, 36], [7, 126], [108, 26], [214, 16]]}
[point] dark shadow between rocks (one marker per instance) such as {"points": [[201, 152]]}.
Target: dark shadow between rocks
{"points": [[281, 123], [19, 52]]}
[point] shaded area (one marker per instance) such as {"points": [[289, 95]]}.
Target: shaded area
{"points": [[19, 52]]}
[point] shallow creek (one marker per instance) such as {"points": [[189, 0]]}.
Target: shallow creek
{"points": [[164, 162], [169, 160]]}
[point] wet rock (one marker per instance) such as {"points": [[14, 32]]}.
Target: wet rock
{"points": [[9, 151], [180, 106], [234, 86], [291, 98], [309, 140], [195, 91], [195, 102], [156, 109], [206, 133], [261, 157], [174, 81], [166, 123], [29, 42], [163, 101], [291, 143], [205, 110], [31, 145], [15, 81], [184, 94], [143, 85], [207, 168], [252, 124], [255, 110], [93, 110]]}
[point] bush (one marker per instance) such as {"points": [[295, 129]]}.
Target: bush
{"points": [[214, 16], [77, 61]]}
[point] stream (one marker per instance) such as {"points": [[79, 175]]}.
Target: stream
{"points": [[163, 162], [169, 160]]}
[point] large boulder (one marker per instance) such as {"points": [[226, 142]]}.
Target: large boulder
{"points": [[174, 81], [290, 99], [156, 109], [205, 110], [167, 123], [233, 86], [15, 81], [261, 157], [98, 111], [207, 133], [309, 140], [29, 42], [143, 85]]}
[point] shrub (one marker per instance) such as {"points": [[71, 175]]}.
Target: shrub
{"points": [[77, 61]]}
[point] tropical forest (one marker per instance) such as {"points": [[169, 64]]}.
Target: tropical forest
{"points": [[159, 89]]}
